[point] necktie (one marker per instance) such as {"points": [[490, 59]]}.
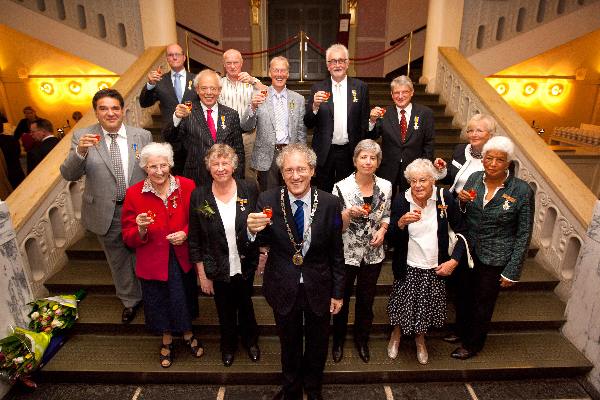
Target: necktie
{"points": [[299, 217], [280, 115], [403, 126], [115, 157], [177, 87], [211, 125]]}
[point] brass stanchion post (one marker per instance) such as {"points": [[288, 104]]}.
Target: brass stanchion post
{"points": [[187, 49], [301, 56], [409, 51]]}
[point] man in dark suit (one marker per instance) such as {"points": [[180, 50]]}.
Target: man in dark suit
{"points": [[106, 153], [203, 125], [24, 125], [42, 132], [304, 274], [11, 149], [407, 130], [338, 113], [170, 88]]}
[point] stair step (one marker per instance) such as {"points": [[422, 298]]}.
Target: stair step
{"points": [[134, 359], [94, 276], [101, 313]]}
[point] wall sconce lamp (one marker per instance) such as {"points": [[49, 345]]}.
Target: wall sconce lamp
{"points": [[47, 88], [103, 85], [529, 89], [502, 88], [556, 89], [75, 87]]}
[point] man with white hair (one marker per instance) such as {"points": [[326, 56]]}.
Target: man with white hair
{"points": [[338, 113], [407, 130]]}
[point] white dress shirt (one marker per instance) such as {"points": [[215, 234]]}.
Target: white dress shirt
{"points": [[182, 81], [214, 115], [122, 143], [422, 235], [237, 95], [340, 111], [228, 211]]}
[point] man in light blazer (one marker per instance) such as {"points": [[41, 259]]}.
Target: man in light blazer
{"points": [[338, 113], [278, 119], [400, 150], [161, 88], [107, 154], [205, 124]]}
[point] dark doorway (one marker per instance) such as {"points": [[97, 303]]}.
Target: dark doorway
{"points": [[318, 18]]}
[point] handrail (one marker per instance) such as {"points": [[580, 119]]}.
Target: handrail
{"points": [[572, 191], [187, 28], [404, 37]]}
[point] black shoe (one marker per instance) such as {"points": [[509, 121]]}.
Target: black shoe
{"points": [[363, 351], [227, 359], [451, 338], [128, 314], [462, 354], [337, 352], [314, 396], [254, 352]]}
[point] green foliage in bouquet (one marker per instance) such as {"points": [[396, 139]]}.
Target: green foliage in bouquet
{"points": [[54, 314], [21, 353]]}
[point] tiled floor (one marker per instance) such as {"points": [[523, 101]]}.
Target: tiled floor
{"points": [[542, 389]]}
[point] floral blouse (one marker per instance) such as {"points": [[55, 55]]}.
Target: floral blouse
{"points": [[360, 230]]}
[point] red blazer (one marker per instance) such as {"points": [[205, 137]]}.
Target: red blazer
{"points": [[152, 253]]}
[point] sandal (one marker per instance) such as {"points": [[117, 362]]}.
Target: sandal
{"points": [[195, 346], [166, 359]]}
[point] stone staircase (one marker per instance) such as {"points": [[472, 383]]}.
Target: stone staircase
{"points": [[524, 342]]}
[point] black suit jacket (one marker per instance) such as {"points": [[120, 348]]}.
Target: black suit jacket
{"points": [[322, 121], [37, 154], [419, 140], [165, 93], [12, 153], [193, 132], [206, 237], [323, 268]]}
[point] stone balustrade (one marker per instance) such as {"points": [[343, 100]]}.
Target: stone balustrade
{"points": [[578, 136], [564, 205], [116, 22], [487, 23], [46, 209]]}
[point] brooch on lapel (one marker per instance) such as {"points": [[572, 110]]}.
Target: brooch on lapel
{"points": [[443, 212], [174, 201], [135, 150], [291, 105], [190, 85], [507, 201], [416, 125], [242, 203], [206, 210], [223, 122], [354, 98]]}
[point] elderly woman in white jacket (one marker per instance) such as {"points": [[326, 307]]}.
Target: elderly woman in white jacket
{"points": [[366, 203]]}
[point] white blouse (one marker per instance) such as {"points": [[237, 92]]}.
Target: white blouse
{"points": [[227, 211], [422, 235]]}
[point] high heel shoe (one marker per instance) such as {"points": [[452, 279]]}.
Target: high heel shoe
{"points": [[392, 349], [422, 355]]}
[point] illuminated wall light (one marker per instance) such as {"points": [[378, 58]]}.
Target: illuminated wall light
{"points": [[103, 85], [502, 88], [47, 88], [529, 89], [556, 89], [75, 87]]}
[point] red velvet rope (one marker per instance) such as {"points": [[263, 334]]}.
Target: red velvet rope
{"points": [[322, 50], [289, 40]]}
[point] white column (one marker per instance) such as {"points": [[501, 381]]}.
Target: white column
{"points": [[444, 23], [158, 22]]}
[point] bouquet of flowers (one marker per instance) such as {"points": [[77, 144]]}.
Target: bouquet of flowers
{"points": [[21, 353], [54, 314]]}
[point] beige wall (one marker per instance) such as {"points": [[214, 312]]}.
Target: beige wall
{"points": [[23, 54], [580, 98]]}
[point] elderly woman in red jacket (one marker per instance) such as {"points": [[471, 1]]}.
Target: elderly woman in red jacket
{"points": [[155, 223]]}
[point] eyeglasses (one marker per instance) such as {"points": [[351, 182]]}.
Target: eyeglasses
{"points": [[174, 55], [158, 167], [205, 89], [422, 181], [338, 61], [480, 131], [299, 171]]}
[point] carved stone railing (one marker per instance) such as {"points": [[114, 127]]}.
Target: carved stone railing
{"points": [[487, 23], [45, 209], [113, 21], [564, 205]]}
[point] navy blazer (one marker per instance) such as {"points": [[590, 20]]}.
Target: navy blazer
{"points": [[399, 237], [322, 121], [164, 92], [207, 240]]}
